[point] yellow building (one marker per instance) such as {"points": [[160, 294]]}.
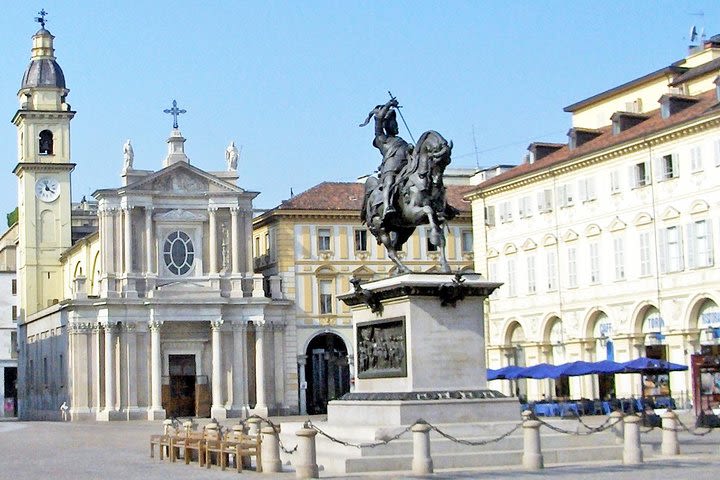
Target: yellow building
{"points": [[607, 244], [309, 247]]}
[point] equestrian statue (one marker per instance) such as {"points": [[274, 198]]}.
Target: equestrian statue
{"points": [[409, 190]]}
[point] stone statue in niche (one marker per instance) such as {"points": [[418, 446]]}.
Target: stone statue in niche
{"points": [[128, 156], [225, 247], [232, 155]]}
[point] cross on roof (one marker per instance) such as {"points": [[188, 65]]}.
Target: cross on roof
{"points": [[41, 19], [174, 111]]}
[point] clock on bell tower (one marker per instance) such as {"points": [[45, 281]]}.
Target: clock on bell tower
{"points": [[43, 171]]}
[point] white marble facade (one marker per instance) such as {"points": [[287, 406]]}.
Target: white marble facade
{"points": [[168, 275]]}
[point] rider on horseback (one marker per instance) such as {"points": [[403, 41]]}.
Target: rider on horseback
{"points": [[394, 149]]}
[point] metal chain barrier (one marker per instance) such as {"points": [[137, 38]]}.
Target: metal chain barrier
{"points": [[276, 429], [474, 443], [694, 431], [360, 445], [607, 424]]}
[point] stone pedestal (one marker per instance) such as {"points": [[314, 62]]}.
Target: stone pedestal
{"points": [[422, 355]]}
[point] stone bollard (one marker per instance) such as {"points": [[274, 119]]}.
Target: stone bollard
{"points": [[306, 466], [616, 420], [532, 458], [670, 445], [422, 463], [632, 453], [254, 426], [270, 448]]}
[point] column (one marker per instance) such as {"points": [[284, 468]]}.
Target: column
{"points": [[149, 242], [130, 375], [127, 217], [279, 362], [302, 361], [239, 378], [156, 411], [217, 410], [260, 404], [213, 241], [109, 367], [234, 240], [247, 225]]}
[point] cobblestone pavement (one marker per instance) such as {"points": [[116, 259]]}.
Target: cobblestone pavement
{"points": [[120, 451]]}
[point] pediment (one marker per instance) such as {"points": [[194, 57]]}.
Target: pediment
{"points": [[670, 213], [549, 240], [182, 178], [570, 236], [509, 249], [492, 253], [529, 244], [699, 206], [643, 219], [593, 230], [616, 225], [363, 272], [325, 271], [180, 215]]}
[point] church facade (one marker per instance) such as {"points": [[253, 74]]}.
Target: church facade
{"points": [[150, 308]]}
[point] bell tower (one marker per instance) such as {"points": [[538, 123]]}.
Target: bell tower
{"points": [[43, 172]]}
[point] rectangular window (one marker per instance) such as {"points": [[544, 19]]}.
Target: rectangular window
{"points": [[645, 258], [323, 239], [572, 267], [490, 216], [564, 196], [267, 243], [615, 181], [586, 187], [551, 270], [639, 175], [671, 254], [619, 258], [700, 244], [45, 372], [531, 274], [257, 246], [466, 241], [14, 313], [511, 278], [505, 212], [525, 207], [326, 298], [669, 167], [594, 263], [545, 201], [13, 345], [361, 240], [696, 159], [13, 286]]}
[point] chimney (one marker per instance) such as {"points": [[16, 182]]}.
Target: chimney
{"points": [[539, 150], [621, 121], [717, 88], [672, 103], [580, 136]]}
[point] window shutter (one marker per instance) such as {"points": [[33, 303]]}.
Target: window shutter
{"points": [[681, 264], [709, 260], [548, 200], [490, 215], [632, 176], [647, 173], [659, 165], [675, 165], [662, 246], [590, 189], [692, 245]]}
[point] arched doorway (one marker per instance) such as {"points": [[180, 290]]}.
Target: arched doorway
{"points": [[602, 333], [327, 371]]}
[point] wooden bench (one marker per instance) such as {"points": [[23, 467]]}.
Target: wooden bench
{"points": [[163, 440], [239, 444]]}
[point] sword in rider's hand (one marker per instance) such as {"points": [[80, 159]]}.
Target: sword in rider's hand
{"points": [[402, 117]]}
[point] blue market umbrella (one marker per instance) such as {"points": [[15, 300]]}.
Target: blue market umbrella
{"points": [[502, 373], [574, 369], [608, 367], [539, 371], [644, 365]]}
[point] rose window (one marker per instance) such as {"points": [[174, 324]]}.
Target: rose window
{"points": [[178, 253]]}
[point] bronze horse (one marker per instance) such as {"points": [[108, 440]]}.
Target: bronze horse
{"points": [[420, 200]]}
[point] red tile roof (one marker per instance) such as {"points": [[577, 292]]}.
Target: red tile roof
{"points": [[707, 104], [343, 196]]}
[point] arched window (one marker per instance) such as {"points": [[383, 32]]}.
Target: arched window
{"points": [[46, 143]]}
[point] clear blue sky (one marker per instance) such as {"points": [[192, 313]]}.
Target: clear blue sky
{"points": [[291, 81]]}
